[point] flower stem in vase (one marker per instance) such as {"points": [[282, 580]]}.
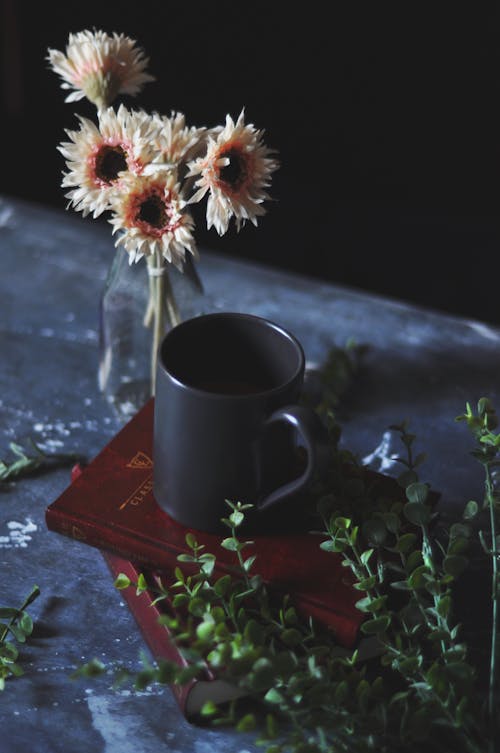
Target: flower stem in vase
{"points": [[164, 307], [149, 313]]}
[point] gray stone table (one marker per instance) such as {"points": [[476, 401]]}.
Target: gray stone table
{"points": [[420, 365]]}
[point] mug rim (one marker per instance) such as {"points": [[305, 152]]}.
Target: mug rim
{"points": [[261, 320]]}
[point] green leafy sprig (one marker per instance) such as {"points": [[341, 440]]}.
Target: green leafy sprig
{"points": [[406, 579], [481, 424], [25, 464], [334, 378], [15, 627]]}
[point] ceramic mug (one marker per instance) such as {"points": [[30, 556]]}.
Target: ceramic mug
{"points": [[227, 420]]}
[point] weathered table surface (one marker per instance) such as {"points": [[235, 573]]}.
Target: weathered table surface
{"points": [[420, 365]]}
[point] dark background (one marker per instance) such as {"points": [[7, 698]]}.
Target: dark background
{"points": [[384, 116]]}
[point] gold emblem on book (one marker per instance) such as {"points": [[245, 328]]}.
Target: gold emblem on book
{"points": [[140, 460], [138, 495]]}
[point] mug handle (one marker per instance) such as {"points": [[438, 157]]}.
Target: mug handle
{"points": [[315, 438]]}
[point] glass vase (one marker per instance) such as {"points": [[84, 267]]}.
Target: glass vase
{"points": [[139, 304]]}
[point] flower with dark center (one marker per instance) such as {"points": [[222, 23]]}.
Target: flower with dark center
{"points": [[99, 156], [235, 171], [152, 217]]}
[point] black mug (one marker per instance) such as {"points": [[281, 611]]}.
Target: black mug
{"points": [[227, 420]]}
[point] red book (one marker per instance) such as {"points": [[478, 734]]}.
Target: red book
{"points": [[110, 505]]}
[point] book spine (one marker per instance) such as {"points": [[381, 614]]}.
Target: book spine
{"points": [[146, 615], [87, 532]]}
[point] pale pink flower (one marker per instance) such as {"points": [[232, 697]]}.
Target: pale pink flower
{"points": [[150, 212], [98, 156], [100, 66], [235, 170]]}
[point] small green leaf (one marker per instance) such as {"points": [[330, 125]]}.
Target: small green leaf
{"points": [[343, 523], [376, 626], [207, 567], [458, 545], [274, 696], [179, 575], [197, 607], [417, 492], [141, 584], [365, 556], [366, 584], [205, 630], [185, 557], [236, 518], [191, 541], [377, 604], [406, 542], [444, 605], [333, 546], [8, 651], [208, 709], [392, 521], [363, 604], [230, 544], [416, 579], [246, 723], [222, 585], [471, 510], [122, 581], [417, 513], [414, 560], [18, 633], [254, 632], [247, 564], [26, 623]]}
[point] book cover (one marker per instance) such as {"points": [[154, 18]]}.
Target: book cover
{"points": [[110, 505]]}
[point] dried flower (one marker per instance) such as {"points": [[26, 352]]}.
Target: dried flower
{"points": [[99, 66], [151, 213], [236, 171], [99, 156]]}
